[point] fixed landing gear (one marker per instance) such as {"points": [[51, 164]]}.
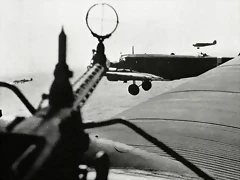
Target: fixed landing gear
{"points": [[133, 89], [146, 85]]}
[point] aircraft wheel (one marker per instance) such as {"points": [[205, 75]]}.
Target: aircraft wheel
{"points": [[146, 85], [133, 89]]}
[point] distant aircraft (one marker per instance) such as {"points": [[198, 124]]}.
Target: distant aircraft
{"points": [[160, 67], [198, 45], [22, 81]]}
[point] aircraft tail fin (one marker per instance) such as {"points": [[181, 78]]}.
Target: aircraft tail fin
{"points": [[215, 42]]}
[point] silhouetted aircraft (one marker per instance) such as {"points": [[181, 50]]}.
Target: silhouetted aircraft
{"points": [[22, 80], [198, 45], [160, 67]]}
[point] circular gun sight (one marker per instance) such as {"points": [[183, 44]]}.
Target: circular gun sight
{"points": [[102, 20]]}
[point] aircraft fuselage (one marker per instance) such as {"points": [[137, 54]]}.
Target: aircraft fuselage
{"points": [[198, 45], [169, 67]]}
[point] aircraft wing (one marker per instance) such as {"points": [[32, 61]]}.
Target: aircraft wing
{"points": [[200, 119], [127, 76]]}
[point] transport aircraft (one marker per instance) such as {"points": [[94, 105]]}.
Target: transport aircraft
{"points": [[198, 45], [159, 67], [200, 119], [189, 132]]}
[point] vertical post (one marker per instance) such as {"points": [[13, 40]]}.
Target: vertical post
{"points": [[62, 47], [61, 93]]}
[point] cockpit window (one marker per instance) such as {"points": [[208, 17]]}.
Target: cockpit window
{"points": [[122, 58]]}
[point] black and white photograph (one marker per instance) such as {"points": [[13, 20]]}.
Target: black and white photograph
{"points": [[119, 89]]}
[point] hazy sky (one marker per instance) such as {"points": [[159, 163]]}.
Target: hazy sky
{"points": [[29, 30]]}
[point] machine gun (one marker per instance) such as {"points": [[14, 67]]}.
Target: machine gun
{"points": [[51, 143]]}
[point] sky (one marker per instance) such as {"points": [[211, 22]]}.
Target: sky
{"points": [[29, 30]]}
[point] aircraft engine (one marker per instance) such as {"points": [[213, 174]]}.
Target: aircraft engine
{"points": [[146, 85], [133, 89]]}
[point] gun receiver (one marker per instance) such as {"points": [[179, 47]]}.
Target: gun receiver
{"points": [[52, 141]]}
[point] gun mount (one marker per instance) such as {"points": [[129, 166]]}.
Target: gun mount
{"points": [[51, 143]]}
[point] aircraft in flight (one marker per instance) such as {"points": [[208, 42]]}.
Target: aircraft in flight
{"points": [[199, 119], [189, 132], [159, 67], [22, 80], [198, 45]]}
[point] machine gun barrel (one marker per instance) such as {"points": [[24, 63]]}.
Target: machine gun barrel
{"points": [[87, 83]]}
